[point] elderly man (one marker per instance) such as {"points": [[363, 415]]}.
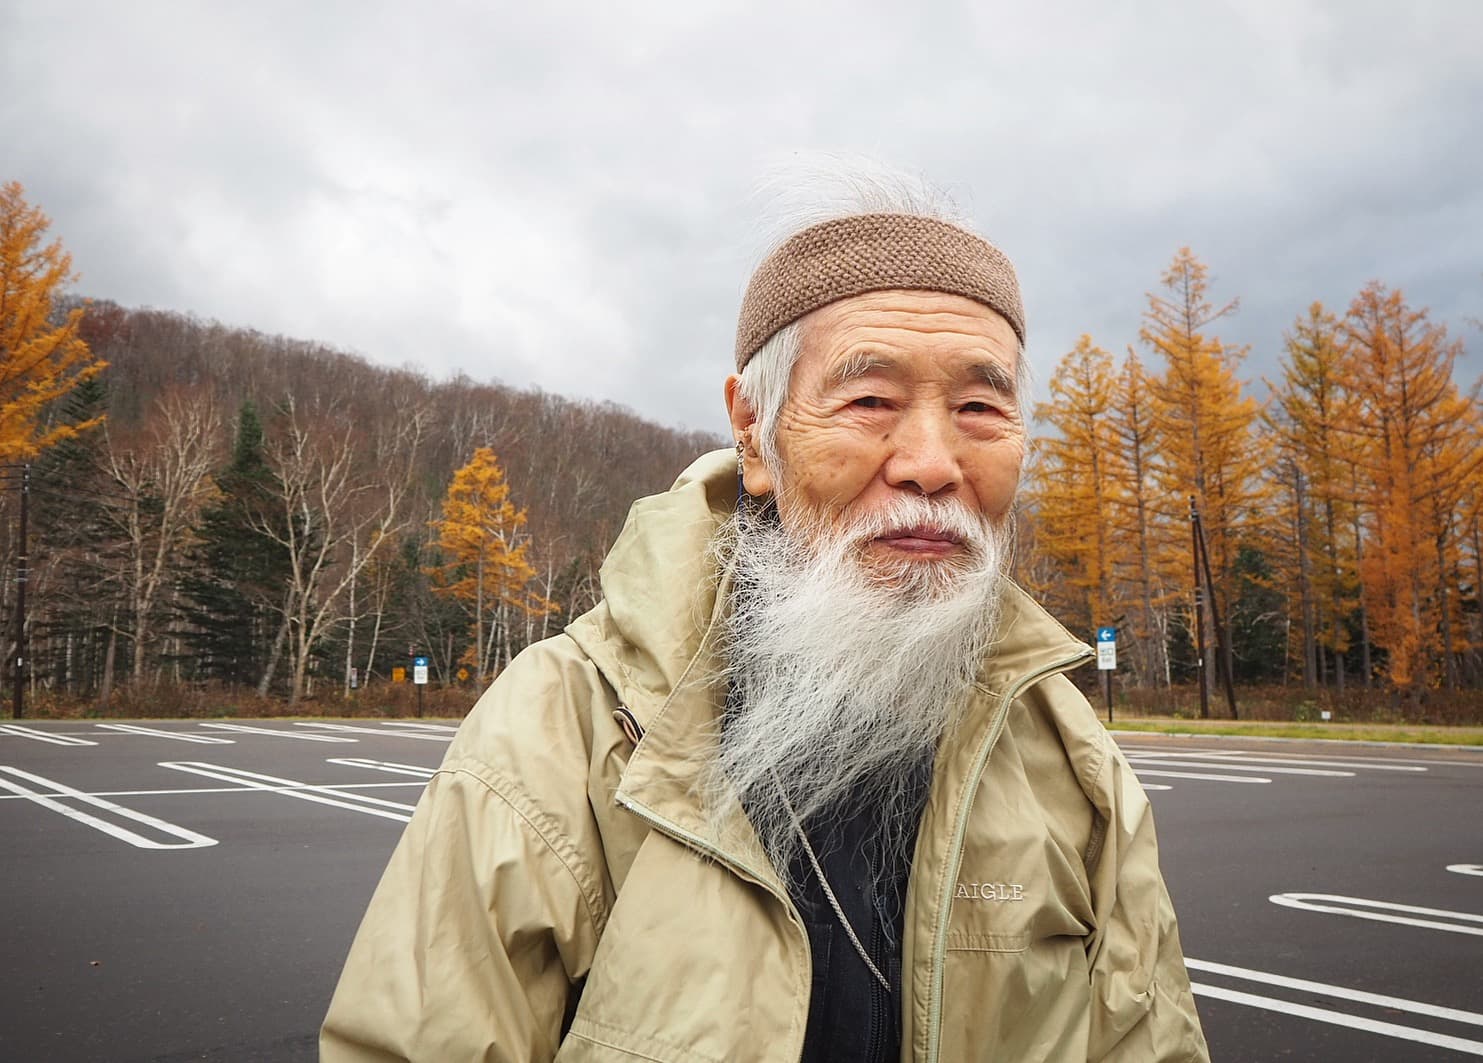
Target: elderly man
{"points": [[810, 783]]}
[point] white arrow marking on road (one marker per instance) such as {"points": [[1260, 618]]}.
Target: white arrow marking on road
{"points": [[384, 765], [1466, 869], [1304, 902], [179, 736], [1226, 765], [371, 806], [189, 839], [44, 736], [1142, 772], [281, 734], [376, 731]]}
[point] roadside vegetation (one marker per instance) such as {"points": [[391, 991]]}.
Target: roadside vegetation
{"points": [[203, 520]]}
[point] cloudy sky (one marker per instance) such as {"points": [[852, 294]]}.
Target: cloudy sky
{"points": [[559, 195]]}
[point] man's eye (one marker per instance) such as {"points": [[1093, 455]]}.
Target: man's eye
{"points": [[870, 402], [977, 407]]}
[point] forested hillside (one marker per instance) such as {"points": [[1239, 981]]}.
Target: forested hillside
{"points": [[250, 511]]}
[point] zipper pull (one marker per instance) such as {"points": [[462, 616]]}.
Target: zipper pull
{"points": [[625, 719]]}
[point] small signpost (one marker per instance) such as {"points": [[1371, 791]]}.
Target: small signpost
{"points": [[419, 678], [1107, 661]]}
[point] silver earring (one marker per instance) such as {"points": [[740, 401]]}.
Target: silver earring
{"points": [[741, 467]]}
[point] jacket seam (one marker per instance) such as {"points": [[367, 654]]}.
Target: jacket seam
{"points": [[1099, 822], [612, 1028], [544, 828]]}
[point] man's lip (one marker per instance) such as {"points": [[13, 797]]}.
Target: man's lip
{"points": [[921, 534]]}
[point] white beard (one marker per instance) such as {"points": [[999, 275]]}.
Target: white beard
{"points": [[847, 672]]}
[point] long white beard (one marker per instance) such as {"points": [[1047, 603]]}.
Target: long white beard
{"points": [[846, 673]]}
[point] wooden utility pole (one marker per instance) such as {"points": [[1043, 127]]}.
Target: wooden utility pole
{"points": [[17, 692], [1202, 568], [1194, 531]]}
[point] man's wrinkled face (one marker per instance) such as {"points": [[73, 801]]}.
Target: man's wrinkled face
{"points": [[896, 394]]}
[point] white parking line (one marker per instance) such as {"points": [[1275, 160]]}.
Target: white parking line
{"points": [[375, 731], [189, 839], [1318, 762], [1362, 765], [43, 736], [1156, 786], [1225, 765], [1466, 869], [280, 734], [1154, 751], [371, 806], [1379, 1000], [1145, 772], [195, 791], [1339, 1018], [1357, 908], [418, 726], [179, 736], [384, 765]]}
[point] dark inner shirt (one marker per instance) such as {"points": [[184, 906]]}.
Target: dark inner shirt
{"points": [[851, 1016]]}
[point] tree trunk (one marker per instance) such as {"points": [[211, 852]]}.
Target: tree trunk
{"points": [[350, 636], [266, 682], [105, 692]]}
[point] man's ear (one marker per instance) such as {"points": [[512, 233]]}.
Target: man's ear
{"points": [[755, 477]]}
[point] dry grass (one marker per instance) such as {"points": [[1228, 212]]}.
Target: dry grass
{"points": [[1351, 732]]}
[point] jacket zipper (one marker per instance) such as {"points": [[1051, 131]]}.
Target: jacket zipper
{"points": [[879, 1010], [955, 852], [684, 837]]}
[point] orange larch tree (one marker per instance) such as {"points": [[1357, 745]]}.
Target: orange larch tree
{"points": [[485, 567], [41, 359], [1412, 440], [1311, 408], [1156, 564], [1207, 424], [1075, 481]]}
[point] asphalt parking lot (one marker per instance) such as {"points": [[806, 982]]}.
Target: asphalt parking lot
{"points": [[187, 890]]}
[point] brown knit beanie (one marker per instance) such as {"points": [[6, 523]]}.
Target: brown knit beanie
{"points": [[870, 253]]}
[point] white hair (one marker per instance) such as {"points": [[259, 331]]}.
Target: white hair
{"points": [[847, 672], [800, 195]]}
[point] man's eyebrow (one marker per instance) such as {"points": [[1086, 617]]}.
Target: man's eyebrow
{"points": [[996, 376], [858, 364]]}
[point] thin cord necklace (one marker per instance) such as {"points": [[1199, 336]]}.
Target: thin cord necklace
{"points": [[813, 860]]}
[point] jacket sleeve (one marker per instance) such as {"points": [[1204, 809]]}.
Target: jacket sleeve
{"points": [[473, 938], [1142, 1007]]}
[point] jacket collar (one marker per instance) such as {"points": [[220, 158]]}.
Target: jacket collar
{"points": [[654, 639]]}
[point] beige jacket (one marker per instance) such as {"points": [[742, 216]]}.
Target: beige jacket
{"points": [[556, 877]]}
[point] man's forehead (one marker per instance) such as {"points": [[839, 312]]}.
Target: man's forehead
{"points": [[901, 331], [970, 367]]}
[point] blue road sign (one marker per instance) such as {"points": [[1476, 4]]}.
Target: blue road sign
{"points": [[419, 662], [1107, 634]]}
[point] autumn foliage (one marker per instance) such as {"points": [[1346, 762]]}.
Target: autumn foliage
{"points": [[236, 515], [1341, 512], [41, 358], [482, 542]]}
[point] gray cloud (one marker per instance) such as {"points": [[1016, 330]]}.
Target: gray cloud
{"points": [[558, 198]]}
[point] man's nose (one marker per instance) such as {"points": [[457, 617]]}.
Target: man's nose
{"points": [[925, 454]]}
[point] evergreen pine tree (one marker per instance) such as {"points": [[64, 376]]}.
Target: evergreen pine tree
{"points": [[233, 584]]}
